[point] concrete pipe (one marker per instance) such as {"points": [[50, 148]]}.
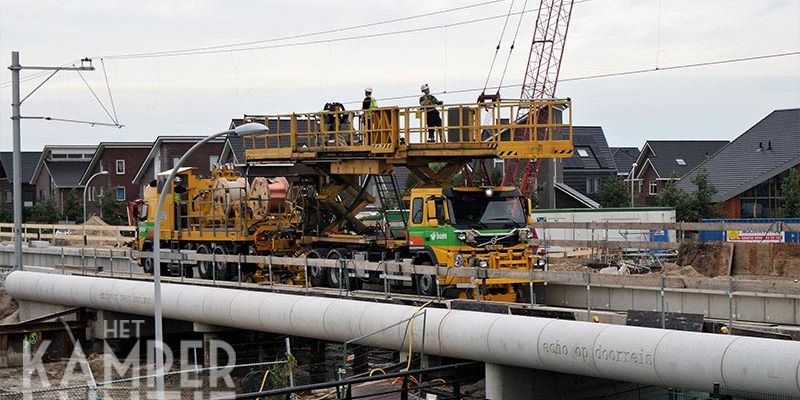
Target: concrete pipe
{"points": [[667, 358]]}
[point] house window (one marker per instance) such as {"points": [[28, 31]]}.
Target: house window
{"points": [[212, 161], [592, 185], [120, 193], [9, 196], [120, 167], [583, 153], [639, 184], [653, 188], [680, 161]]}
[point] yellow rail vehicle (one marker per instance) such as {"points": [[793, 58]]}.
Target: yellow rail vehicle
{"points": [[222, 214]]}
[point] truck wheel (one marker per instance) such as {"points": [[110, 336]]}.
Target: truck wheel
{"points": [[204, 268], [425, 284], [335, 274], [316, 275], [222, 267], [147, 265]]}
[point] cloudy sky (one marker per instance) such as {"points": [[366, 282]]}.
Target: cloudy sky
{"points": [[199, 94]]}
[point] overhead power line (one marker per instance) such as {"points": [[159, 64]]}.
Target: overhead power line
{"points": [[610, 74], [331, 40], [228, 47]]}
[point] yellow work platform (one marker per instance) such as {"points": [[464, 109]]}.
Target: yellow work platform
{"points": [[391, 136]]}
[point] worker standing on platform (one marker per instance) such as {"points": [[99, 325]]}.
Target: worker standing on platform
{"points": [[432, 117], [368, 103]]}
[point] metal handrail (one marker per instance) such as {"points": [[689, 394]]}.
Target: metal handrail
{"points": [[389, 129]]}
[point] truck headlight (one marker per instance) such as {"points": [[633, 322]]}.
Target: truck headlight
{"points": [[483, 264], [461, 236], [458, 260]]}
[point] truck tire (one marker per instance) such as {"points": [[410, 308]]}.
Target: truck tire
{"points": [[204, 268], [425, 285], [316, 275], [222, 267], [335, 274], [147, 265]]}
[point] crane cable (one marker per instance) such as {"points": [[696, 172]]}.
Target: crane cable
{"points": [[511, 49], [497, 48]]}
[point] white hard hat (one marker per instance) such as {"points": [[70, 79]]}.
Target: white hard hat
{"points": [[424, 87], [368, 89]]}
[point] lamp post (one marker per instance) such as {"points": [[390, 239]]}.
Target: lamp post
{"points": [[86, 189], [633, 169], [245, 129]]}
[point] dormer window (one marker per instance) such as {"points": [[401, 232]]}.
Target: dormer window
{"points": [[583, 153], [680, 161]]}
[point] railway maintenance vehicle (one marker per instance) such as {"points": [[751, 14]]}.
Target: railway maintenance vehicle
{"points": [[349, 161]]}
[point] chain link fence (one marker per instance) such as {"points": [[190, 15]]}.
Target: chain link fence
{"points": [[198, 383]]}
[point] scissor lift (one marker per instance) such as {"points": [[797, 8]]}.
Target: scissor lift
{"points": [[343, 147]]}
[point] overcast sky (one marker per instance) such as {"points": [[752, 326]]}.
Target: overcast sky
{"points": [[199, 94]]}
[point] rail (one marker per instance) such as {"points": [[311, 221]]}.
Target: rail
{"points": [[492, 129]]}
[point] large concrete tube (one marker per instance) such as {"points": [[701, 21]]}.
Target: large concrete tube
{"points": [[686, 360]]}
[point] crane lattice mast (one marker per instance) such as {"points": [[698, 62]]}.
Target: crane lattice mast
{"points": [[541, 77]]}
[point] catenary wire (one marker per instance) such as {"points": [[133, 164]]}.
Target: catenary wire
{"points": [[611, 74], [96, 97], [303, 35]]}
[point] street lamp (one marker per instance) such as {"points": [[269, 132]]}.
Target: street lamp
{"points": [[244, 129], [86, 189], [633, 169]]}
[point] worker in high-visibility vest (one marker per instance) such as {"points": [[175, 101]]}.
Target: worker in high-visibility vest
{"points": [[368, 104], [179, 188], [432, 117]]}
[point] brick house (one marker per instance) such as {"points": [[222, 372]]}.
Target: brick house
{"points": [[167, 150], [122, 160], [59, 170], [749, 171], [29, 161], [662, 161]]}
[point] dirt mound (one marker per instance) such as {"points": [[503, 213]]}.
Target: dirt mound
{"points": [[710, 259], [671, 269], [8, 305], [567, 266]]}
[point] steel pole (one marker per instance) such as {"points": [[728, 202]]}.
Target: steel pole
{"points": [[159, 333], [86, 188], [17, 159]]}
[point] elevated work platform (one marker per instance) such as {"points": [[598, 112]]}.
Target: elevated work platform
{"points": [[392, 136]]}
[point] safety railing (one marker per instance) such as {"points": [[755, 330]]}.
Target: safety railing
{"points": [[512, 128]]}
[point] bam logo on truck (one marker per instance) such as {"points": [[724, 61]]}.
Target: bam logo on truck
{"points": [[438, 236]]}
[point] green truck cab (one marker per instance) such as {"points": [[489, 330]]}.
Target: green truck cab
{"points": [[471, 227]]}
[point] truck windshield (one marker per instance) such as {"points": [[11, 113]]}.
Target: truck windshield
{"points": [[476, 210]]}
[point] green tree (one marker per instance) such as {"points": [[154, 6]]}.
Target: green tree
{"points": [[701, 198], [691, 207], [73, 208], [112, 211], [613, 193], [790, 191], [678, 199], [6, 215], [44, 212]]}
